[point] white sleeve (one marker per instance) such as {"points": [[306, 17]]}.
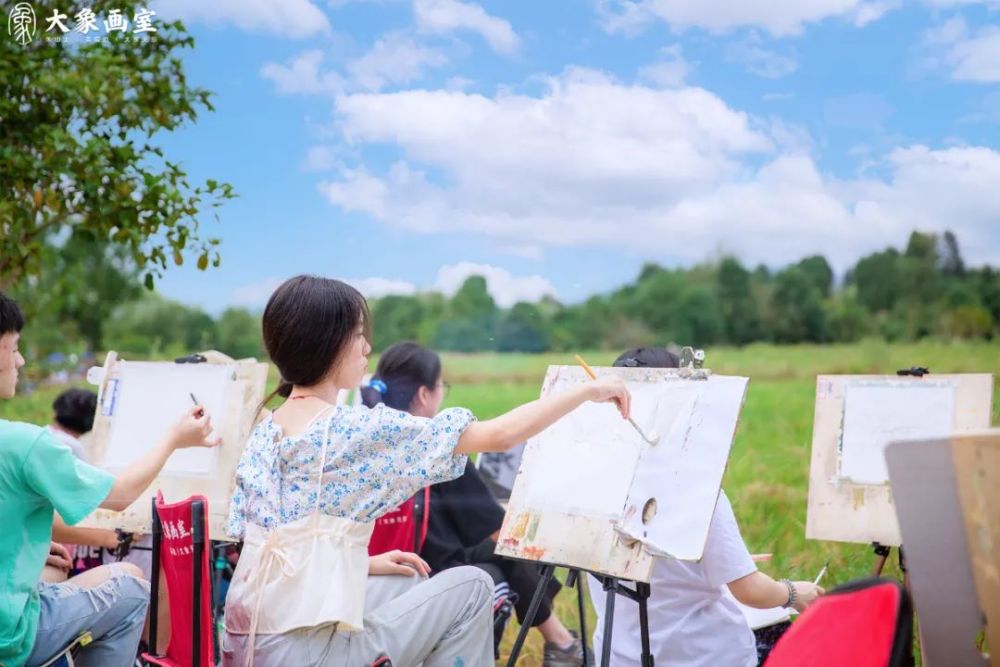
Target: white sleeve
{"points": [[726, 556]]}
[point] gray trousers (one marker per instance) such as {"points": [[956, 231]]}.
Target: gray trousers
{"points": [[445, 621]]}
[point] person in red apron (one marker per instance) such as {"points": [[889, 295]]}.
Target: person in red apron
{"points": [[313, 478]]}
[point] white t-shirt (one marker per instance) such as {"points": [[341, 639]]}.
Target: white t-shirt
{"points": [[68, 440], [691, 622]]}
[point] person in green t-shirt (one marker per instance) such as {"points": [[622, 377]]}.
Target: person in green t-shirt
{"points": [[40, 476]]}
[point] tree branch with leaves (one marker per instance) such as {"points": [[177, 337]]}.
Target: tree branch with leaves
{"points": [[78, 124]]}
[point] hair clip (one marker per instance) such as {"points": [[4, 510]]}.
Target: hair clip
{"points": [[379, 386]]}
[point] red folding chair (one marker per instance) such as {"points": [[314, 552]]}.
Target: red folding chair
{"points": [[404, 528], [180, 536], [864, 623]]}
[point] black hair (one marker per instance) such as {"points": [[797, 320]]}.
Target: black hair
{"points": [[11, 317], [648, 357], [402, 370], [75, 409], [307, 325]]}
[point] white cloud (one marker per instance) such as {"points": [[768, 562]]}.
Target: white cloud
{"points": [[302, 75], [978, 57], [395, 58], [778, 17], [758, 60], [287, 18], [505, 288], [669, 71], [945, 4], [445, 16], [373, 288], [256, 293], [319, 158], [968, 55], [662, 173]]}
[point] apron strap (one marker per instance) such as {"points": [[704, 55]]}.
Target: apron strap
{"points": [[322, 462]]}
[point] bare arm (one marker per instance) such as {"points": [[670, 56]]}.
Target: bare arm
{"points": [[762, 592], [191, 430], [525, 421], [93, 537]]}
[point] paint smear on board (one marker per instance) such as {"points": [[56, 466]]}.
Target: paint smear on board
{"points": [[534, 553], [858, 498], [533, 528], [520, 528]]}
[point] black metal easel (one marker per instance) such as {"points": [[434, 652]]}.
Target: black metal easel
{"points": [[614, 587]]}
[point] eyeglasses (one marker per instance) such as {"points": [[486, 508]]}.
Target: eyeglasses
{"points": [[445, 388]]}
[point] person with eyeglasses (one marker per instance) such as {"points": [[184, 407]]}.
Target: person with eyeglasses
{"points": [[464, 516]]}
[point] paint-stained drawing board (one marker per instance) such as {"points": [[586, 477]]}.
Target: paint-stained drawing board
{"points": [[856, 417], [977, 467], [926, 498], [592, 494], [138, 401]]}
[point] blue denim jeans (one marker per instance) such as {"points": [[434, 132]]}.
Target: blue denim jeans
{"points": [[113, 612]]}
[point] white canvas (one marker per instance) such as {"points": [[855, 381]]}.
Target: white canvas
{"points": [[683, 472], [148, 398], [579, 495], [880, 412]]}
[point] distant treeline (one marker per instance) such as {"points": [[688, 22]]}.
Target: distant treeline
{"points": [[923, 290]]}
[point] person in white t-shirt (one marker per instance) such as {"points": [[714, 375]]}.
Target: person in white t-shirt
{"points": [[692, 623]]}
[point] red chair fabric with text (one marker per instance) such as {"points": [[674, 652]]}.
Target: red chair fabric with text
{"points": [[180, 549]]}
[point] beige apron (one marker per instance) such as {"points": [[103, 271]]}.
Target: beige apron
{"points": [[306, 573]]}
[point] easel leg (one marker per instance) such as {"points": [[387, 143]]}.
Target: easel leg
{"points": [[581, 605], [611, 590], [642, 593], [547, 572], [881, 555], [916, 619]]}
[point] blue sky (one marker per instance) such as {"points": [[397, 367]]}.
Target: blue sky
{"points": [[556, 146]]}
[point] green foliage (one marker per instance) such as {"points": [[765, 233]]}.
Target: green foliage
{"points": [[739, 311], [93, 301], [397, 318], [522, 329], [158, 326], [77, 145], [237, 333], [84, 281], [796, 308], [472, 319], [968, 322]]}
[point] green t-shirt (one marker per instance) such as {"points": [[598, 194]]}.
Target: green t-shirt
{"points": [[37, 475]]}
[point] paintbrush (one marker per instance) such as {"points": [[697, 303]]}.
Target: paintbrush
{"points": [[593, 376]]}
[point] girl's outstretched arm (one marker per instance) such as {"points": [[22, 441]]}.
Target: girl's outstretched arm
{"points": [[523, 422]]}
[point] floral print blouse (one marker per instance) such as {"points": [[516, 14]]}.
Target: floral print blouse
{"points": [[375, 459]]}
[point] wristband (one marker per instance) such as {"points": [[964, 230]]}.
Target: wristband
{"points": [[793, 594]]}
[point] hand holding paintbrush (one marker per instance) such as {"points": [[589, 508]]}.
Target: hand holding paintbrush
{"points": [[625, 412]]}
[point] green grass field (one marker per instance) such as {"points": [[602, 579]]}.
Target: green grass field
{"points": [[768, 469]]}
